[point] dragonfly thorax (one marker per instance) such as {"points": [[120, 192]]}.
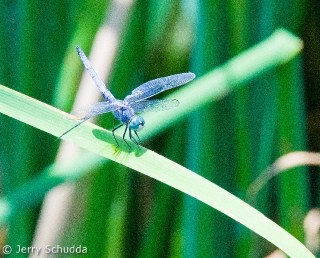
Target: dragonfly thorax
{"points": [[124, 114], [136, 123]]}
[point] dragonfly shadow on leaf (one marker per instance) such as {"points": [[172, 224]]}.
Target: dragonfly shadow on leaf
{"points": [[122, 147]]}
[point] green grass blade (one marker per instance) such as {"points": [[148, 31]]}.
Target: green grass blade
{"points": [[279, 48]]}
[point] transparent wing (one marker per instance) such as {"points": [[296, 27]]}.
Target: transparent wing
{"points": [[156, 86], [154, 105], [86, 112], [101, 86]]}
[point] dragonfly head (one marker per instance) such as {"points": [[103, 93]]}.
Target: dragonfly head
{"points": [[136, 123]]}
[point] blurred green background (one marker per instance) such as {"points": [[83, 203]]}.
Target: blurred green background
{"points": [[117, 212]]}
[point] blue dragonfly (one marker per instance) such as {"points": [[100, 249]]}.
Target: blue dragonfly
{"points": [[124, 110]]}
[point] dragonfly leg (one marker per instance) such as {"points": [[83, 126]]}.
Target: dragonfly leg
{"points": [[124, 135], [138, 137], [132, 138], [115, 128]]}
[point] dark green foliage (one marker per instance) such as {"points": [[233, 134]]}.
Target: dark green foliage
{"points": [[116, 212]]}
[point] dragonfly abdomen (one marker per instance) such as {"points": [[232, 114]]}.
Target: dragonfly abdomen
{"points": [[108, 96]]}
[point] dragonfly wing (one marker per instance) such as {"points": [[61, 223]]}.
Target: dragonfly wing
{"points": [[86, 112], [101, 86], [156, 86], [154, 105]]}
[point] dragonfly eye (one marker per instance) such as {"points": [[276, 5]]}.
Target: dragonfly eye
{"points": [[136, 123]]}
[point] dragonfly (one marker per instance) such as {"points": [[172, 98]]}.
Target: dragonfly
{"points": [[125, 110]]}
